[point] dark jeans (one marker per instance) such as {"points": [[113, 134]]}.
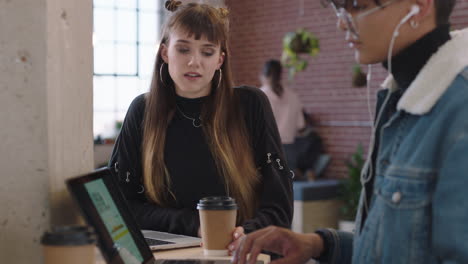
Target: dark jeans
{"points": [[291, 153]]}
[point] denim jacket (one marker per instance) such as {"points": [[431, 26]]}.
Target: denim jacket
{"points": [[418, 212]]}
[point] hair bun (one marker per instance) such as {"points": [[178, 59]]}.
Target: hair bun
{"points": [[172, 5], [223, 11]]}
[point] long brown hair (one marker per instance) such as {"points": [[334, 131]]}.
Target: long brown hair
{"points": [[223, 123]]}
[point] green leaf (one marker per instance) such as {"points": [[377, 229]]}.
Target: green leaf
{"points": [[351, 187], [300, 41], [301, 65]]}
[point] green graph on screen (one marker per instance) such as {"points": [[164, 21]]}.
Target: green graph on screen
{"points": [[112, 219]]}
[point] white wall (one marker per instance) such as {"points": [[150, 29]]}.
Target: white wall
{"points": [[45, 117]]}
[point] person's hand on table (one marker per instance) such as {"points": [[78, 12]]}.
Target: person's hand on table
{"points": [[294, 247], [237, 236]]}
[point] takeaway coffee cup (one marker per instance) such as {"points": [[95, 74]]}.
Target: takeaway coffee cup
{"points": [[217, 222], [69, 245]]}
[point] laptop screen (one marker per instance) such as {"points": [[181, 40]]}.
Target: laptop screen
{"points": [[104, 208], [112, 218]]}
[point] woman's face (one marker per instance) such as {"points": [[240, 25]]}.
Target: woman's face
{"points": [[192, 63]]}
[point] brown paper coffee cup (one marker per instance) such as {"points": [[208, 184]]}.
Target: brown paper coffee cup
{"points": [[69, 245], [217, 222]]}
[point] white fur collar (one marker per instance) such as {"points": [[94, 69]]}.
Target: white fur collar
{"points": [[435, 77]]}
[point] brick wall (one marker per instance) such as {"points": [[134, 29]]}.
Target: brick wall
{"points": [[257, 29]]}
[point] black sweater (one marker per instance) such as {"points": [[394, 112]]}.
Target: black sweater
{"points": [[193, 171]]}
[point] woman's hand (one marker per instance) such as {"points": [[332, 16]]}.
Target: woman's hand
{"points": [[237, 236], [296, 248]]}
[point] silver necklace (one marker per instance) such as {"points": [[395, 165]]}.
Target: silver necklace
{"points": [[196, 122]]}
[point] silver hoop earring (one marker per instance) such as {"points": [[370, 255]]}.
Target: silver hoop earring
{"points": [[414, 24], [160, 74], [220, 77]]}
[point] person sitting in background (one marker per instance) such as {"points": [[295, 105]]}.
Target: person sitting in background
{"points": [[194, 135], [308, 148], [286, 105]]}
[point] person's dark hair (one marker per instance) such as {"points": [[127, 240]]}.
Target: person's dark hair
{"points": [[443, 8], [272, 70]]}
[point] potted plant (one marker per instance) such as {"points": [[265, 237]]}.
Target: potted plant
{"points": [[351, 190], [359, 77], [296, 44]]}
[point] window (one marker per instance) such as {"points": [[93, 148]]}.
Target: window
{"points": [[125, 39]]}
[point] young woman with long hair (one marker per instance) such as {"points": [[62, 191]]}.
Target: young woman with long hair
{"points": [[286, 105], [194, 135]]}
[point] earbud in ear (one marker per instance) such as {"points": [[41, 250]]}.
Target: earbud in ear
{"points": [[414, 10]]}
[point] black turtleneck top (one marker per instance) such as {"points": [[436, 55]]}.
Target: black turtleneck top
{"points": [[407, 64], [193, 171], [405, 67]]}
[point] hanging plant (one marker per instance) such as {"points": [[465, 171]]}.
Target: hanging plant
{"points": [[296, 43], [359, 78]]}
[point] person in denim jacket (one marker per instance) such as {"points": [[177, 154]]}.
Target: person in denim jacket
{"points": [[414, 203]]}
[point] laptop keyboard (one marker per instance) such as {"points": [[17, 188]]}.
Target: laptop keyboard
{"points": [[156, 242]]}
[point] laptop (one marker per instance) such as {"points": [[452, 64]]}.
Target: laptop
{"points": [[119, 237]]}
